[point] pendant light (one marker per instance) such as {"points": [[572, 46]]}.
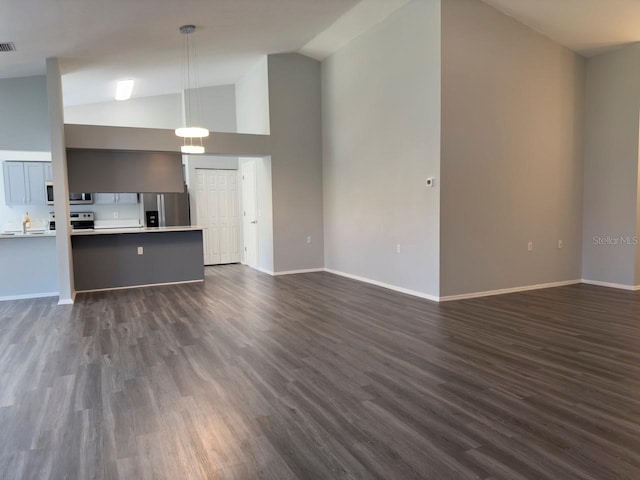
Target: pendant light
{"points": [[191, 134]]}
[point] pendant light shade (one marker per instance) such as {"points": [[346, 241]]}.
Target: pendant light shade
{"points": [[192, 134], [192, 149]]}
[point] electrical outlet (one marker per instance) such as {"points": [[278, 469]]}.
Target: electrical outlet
{"points": [[530, 246], [398, 248], [309, 240], [115, 215], [140, 251], [560, 244]]}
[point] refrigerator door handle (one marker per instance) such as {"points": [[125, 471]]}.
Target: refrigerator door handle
{"points": [[164, 212], [160, 216]]}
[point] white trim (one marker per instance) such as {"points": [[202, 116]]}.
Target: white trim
{"points": [[293, 272], [68, 301], [268, 272], [384, 285], [28, 296], [139, 286], [503, 291], [620, 286], [25, 156]]}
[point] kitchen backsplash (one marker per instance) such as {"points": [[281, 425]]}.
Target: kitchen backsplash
{"points": [[9, 216]]}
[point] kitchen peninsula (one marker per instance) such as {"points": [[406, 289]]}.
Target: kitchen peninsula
{"points": [[120, 258]]}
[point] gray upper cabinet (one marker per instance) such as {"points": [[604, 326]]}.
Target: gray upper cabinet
{"points": [[127, 198], [15, 189], [104, 198], [24, 183], [34, 174], [115, 198]]}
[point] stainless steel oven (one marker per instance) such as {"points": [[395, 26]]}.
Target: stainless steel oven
{"points": [[74, 198], [77, 220]]}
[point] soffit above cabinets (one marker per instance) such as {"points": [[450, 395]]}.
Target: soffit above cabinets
{"points": [[121, 172]]}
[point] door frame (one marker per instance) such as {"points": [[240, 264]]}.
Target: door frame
{"points": [[242, 165]]}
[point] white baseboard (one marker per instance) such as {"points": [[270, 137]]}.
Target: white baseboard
{"points": [[68, 301], [139, 286], [28, 296], [268, 272], [488, 293], [293, 272], [384, 285], [620, 286]]}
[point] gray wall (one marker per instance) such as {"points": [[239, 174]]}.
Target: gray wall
{"points": [[161, 111], [381, 140], [637, 282], [218, 108], [29, 267], [217, 111], [296, 161], [252, 100], [24, 117], [611, 165], [512, 114]]}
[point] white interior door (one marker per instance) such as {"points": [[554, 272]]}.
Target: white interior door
{"points": [[217, 210], [249, 214]]}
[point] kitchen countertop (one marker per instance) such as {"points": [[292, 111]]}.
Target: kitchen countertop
{"points": [[28, 235], [118, 231]]}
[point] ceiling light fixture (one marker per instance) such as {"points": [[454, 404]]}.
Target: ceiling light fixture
{"points": [[192, 135], [124, 89]]}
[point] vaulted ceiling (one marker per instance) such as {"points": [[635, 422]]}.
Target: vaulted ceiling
{"points": [[588, 27], [100, 42]]}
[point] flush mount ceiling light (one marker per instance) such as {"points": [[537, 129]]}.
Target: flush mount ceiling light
{"points": [[191, 134], [124, 89]]}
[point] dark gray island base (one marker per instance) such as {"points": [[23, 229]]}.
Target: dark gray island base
{"points": [[110, 259]]}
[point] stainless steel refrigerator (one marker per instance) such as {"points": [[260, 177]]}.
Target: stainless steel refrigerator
{"points": [[172, 208]]}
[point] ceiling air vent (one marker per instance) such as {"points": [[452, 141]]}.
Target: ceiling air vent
{"points": [[7, 47]]}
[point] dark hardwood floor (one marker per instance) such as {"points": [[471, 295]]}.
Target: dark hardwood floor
{"points": [[317, 376]]}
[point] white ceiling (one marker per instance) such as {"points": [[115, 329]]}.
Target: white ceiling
{"points": [[102, 41], [588, 27], [349, 26]]}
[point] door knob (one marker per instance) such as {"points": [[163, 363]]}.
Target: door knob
{"points": [[255, 221]]}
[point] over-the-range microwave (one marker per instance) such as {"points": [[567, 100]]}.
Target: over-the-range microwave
{"points": [[74, 198]]}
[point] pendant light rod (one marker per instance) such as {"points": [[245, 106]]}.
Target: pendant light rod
{"points": [[189, 131]]}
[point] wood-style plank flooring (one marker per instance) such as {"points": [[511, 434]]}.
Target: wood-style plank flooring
{"points": [[317, 376]]}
